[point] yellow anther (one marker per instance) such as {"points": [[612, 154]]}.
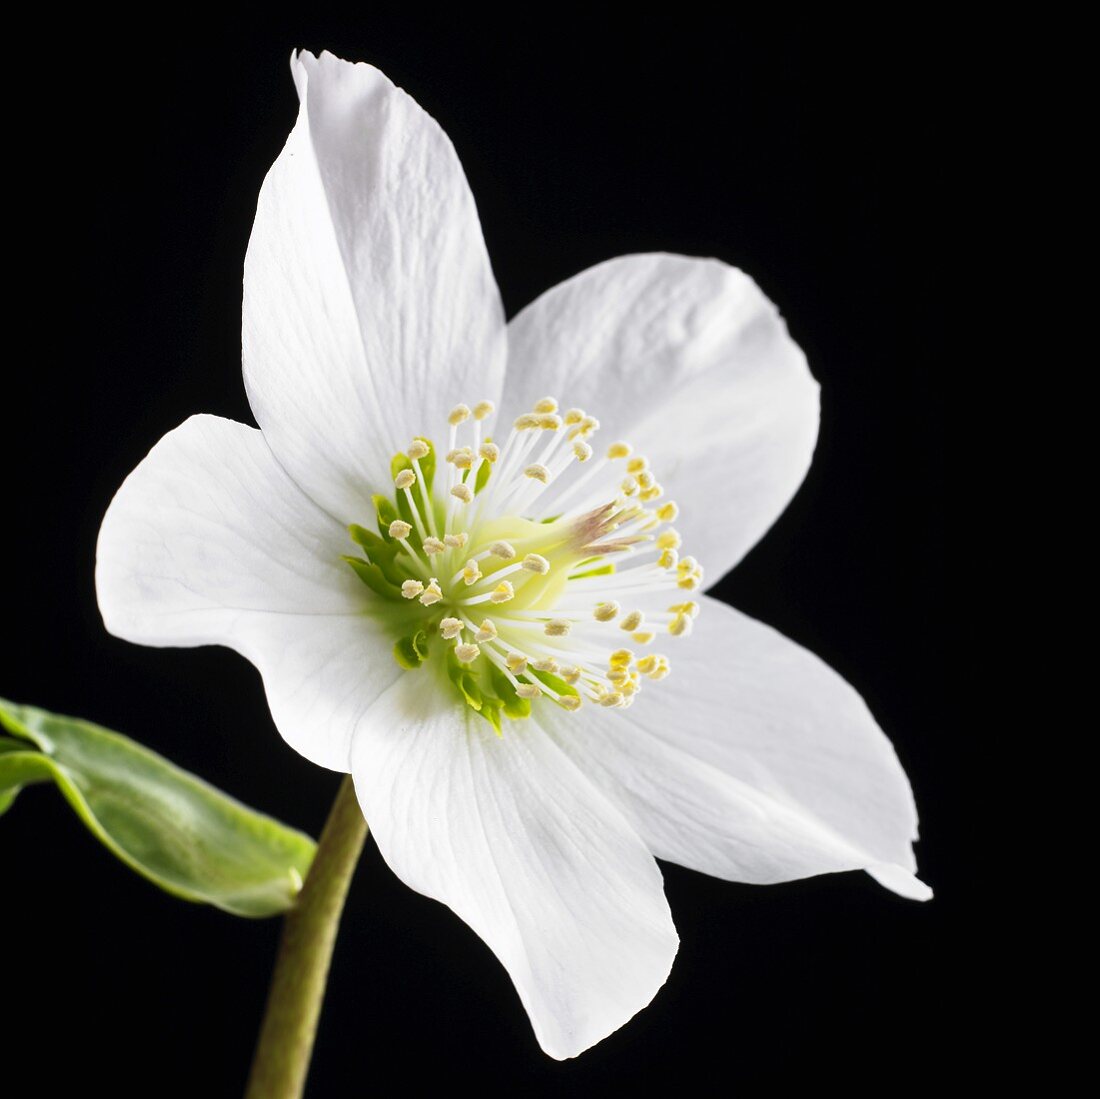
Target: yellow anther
{"points": [[645, 478], [410, 589], [637, 465], [547, 664], [557, 627], [471, 573], [487, 631], [432, 593], [612, 698], [606, 612], [433, 546], [628, 486], [534, 563], [462, 457], [648, 664], [571, 674], [525, 422], [405, 479], [688, 564], [582, 451], [680, 625], [629, 688], [517, 663], [619, 450], [669, 539], [690, 582], [458, 415], [549, 422], [667, 512], [652, 493], [621, 658], [502, 593], [667, 558], [483, 409], [466, 653], [690, 609], [547, 404], [618, 676], [456, 541], [537, 473], [529, 690], [502, 550], [631, 622], [643, 637], [570, 702], [418, 449], [662, 669], [450, 628], [400, 529], [574, 416], [489, 451], [462, 492]]}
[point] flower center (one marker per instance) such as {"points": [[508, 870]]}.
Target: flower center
{"points": [[529, 569]]}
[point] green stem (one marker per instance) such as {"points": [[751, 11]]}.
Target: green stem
{"points": [[298, 984]]}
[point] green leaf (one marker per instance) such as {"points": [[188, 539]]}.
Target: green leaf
{"points": [[184, 835], [483, 472]]}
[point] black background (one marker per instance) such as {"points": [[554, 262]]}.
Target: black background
{"points": [[814, 156]]}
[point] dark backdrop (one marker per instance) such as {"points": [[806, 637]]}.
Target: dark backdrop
{"points": [[813, 156]]}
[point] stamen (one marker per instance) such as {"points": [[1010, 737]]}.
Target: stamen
{"points": [[450, 628], [432, 593], [547, 404], [417, 449], [399, 529], [456, 541], [557, 627], [483, 409], [471, 573], [405, 479], [534, 563], [463, 492], [503, 550], [410, 589], [458, 415], [467, 653], [517, 663], [631, 622], [528, 690], [537, 473], [606, 612], [502, 592], [486, 631]]}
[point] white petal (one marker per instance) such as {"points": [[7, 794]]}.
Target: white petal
{"points": [[209, 541], [512, 837], [753, 761], [370, 307], [687, 360]]}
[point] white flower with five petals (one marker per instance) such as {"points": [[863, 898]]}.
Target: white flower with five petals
{"points": [[510, 651]]}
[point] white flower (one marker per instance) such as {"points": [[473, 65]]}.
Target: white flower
{"points": [[661, 722]]}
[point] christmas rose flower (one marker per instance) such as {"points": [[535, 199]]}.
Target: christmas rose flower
{"points": [[467, 558]]}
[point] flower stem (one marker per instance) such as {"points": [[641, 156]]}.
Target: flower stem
{"points": [[298, 984]]}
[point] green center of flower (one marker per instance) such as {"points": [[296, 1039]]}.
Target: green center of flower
{"points": [[511, 570]]}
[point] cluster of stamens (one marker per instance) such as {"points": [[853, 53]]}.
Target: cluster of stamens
{"points": [[531, 559]]}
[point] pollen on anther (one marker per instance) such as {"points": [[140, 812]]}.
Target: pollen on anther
{"points": [[606, 612], [571, 674], [471, 573], [528, 690], [582, 451], [410, 589], [502, 593], [433, 546], [417, 449], [483, 409], [405, 479], [619, 450], [557, 627], [489, 451], [456, 541], [450, 628], [517, 663], [534, 563], [503, 550], [487, 631], [463, 492], [570, 702], [466, 653], [547, 404], [432, 593], [399, 529], [537, 472], [458, 415], [574, 416], [546, 664], [667, 513], [631, 622]]}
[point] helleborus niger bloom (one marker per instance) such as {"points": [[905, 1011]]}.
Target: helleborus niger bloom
{"points": [[467, 557]]}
